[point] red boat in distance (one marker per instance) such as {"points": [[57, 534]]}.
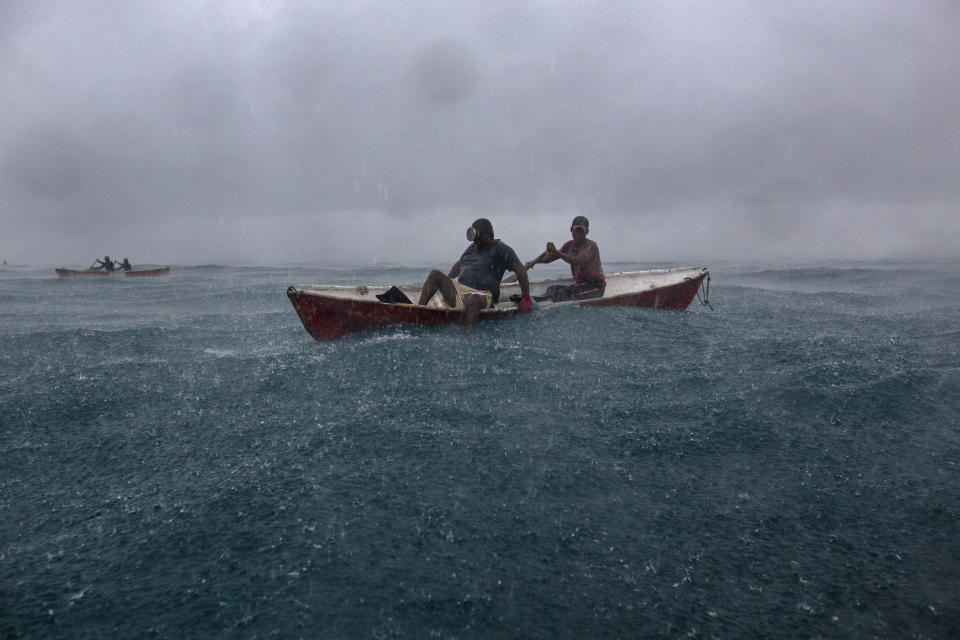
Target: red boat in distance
{"points": [[137, 273]]}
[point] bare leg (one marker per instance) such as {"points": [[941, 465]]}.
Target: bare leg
{"points": [[472, 304], [438, 280]]}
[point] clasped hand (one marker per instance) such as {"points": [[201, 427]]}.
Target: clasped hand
{"points": [[551, 253]]}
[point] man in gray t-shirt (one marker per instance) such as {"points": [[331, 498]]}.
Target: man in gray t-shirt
{"points": [[478, 272], [482, 267]]}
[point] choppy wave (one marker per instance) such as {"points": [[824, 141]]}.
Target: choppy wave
{"points": [[179, 457]]}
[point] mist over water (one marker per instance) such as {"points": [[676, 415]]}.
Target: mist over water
{"points": [[269, 132], [179, 457]]}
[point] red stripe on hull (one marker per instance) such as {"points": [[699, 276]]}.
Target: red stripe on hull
{"points": [[326, 317], [675, 297]]}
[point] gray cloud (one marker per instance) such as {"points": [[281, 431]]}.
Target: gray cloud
{"points": [[809, 130], [444, 72]]}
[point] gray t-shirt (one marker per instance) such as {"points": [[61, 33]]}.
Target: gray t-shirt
{"points": [[483, 269]]}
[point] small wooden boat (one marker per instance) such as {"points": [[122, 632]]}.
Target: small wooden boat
{"points": [[332, 311], [136, 273]]}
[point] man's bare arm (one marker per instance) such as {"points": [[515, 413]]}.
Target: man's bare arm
{"points": [[521, 272], [578, 259]]}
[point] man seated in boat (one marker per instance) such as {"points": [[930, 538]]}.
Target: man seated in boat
{"points": [[126, 266], [583, 256], [478, 273], [106, 264]]}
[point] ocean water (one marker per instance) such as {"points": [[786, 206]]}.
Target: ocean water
{"points": [[178, 458]]}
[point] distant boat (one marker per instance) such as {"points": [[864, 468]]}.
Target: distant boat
{"points": [[333, 311], [141, 273]]}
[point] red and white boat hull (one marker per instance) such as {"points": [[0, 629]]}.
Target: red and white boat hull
{"points": [[332, 311]]}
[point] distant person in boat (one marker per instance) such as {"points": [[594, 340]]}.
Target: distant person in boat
{"points": [[583, 256], [478, 273], [106, 264], [126, 266]]}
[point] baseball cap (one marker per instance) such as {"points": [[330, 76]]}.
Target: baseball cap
{"points": [[582, 222]]}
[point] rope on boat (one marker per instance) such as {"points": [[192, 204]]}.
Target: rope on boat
{"points": [[705, 285]]}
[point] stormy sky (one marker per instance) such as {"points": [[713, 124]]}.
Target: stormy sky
{"points": [[190, 132]]}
